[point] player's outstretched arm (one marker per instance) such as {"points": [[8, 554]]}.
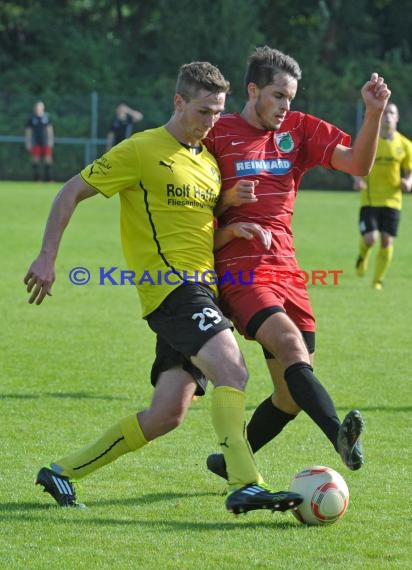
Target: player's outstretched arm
{"points": [[41, 275], [358, 159], [134, 114]]}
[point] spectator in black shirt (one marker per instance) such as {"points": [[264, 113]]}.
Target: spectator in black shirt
{"points": [[122, 125], [39, 134]]}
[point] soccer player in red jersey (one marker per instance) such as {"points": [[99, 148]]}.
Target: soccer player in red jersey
{"points": [[263, 153]]}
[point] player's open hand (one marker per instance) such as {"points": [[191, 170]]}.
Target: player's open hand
{"points": [[39, 280], [376, 93], [247, 230]]}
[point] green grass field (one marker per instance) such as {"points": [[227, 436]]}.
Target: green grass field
{"points": [[81, 361]]}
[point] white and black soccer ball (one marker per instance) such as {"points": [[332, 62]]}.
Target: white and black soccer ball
{"points": [[325, 493]]}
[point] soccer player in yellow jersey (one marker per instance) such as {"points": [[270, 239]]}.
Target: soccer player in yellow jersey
{"points": [[168, 185], [381, 196]]}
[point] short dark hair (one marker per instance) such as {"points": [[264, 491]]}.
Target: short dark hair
{"points": [[265, 62], [200, 75]]}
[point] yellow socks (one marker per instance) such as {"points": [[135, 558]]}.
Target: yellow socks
{"points": [[123, 437], [383, 260], [362, 261], [228, 417]]}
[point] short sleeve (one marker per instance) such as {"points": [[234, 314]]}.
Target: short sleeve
{"points": [[116, 170], [321, 140]]}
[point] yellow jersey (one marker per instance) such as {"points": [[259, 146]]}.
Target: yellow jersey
{"points": [[167, 197], [384, 181]]}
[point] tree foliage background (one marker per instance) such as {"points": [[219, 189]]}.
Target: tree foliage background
{"points": [[131, 50]]}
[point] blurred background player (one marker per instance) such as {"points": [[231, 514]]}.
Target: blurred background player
{"points": [[122, 125], [39, 135], [381, 196]]}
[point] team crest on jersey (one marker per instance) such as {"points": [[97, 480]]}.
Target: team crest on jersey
{"points": [[284, 141]]}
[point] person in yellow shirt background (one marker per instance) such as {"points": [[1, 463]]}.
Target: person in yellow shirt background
{"points": [[381, 196]]}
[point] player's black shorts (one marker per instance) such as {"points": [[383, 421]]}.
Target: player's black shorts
{"points": [[186, 319], [381, 218]]}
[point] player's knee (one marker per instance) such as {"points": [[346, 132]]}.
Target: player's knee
{"points": [[239, 376], [233, 375], [369, 240], [231, 372], [293, 348], [386, 241], [243, 381]]}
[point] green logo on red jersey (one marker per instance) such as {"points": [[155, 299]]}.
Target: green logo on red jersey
{"points": [[284, 141]]}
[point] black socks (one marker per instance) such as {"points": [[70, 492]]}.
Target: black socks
{"points": [[266, 423], [312, 397]]}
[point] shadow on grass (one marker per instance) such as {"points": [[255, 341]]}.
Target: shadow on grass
{"points": [[93, 396], [62, 395], [34, 512], [383, 408], [138, 501], [83, 396]]}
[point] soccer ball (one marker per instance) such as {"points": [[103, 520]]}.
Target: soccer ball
{"points": [[325, 495]]}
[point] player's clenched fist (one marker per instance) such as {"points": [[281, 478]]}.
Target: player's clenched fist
{"points": [[375, 92]]}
